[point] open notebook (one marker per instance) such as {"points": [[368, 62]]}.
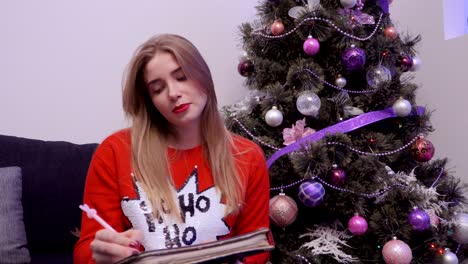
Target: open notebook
{"points": [[221, 251]]}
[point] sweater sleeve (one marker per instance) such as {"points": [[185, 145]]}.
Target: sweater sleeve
{"points": [[255, 212], [101, 193]]}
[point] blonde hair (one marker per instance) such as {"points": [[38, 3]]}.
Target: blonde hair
{"points": [[150, 130]]}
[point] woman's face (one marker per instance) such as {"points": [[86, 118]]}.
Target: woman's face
{"points": [[180, 100]]}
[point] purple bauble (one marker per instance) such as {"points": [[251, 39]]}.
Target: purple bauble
{"points": [[357, 225], [405, 63], [311, 193], [397, 252], [419, 219], [337, 176], [354, 58], [245, 68], [311, 46]]}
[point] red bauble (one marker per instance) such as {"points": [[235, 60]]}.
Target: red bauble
{"points": [[337, 176], [405, 62], [277, 28], [283, 210], [391, 32], [422, 150], [245, 68]]}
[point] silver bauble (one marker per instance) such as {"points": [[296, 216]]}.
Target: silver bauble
{"points": [[340, 82], [460, 230], [378, 75], [274, 117], [402, 107], [449, 257], [348, 3], [417, 64], [308, 103], [243, 56]]}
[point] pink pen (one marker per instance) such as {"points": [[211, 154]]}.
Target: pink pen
{"points": [[92, 214]]}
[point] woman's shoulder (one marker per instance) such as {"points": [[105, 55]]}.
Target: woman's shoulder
{"points": [[244, 145], [117, 140]]}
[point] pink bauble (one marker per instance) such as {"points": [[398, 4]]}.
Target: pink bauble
{"points": [[357, 225], [277, 28], [311, 46], [283, 210], [391, 32], [422, 150], [397, 252]]}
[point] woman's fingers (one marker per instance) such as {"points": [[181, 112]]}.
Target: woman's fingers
{"points": [[110, 247]]}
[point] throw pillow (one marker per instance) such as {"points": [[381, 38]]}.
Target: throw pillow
{"points": [[13, 242]]}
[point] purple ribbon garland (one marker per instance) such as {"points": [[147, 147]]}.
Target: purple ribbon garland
{"points": [[342, 127]]}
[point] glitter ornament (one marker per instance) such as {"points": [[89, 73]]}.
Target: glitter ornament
{"points": [[311, 46], [274, 117], [378, 75], [405, 63], [419, 219], [417, 64], [337, 176], [397, 252], [402, 107], [311, 193], [348, 3], [277, 28], [340, 82], [308, 104], [448, 257], [283, 210], [460, 230], [357, 225], [353, 58], [245, 68], [391, 32], [422, 150]]}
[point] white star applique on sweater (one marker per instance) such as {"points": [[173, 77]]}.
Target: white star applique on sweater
{"points": [[202, 215]]}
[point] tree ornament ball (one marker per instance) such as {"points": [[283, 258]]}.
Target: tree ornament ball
{"points": [[419, 219], [391, 32], [311, 193], [353, 58], [337, 176], [340, 82], [460, 230], [422, 150], [378, 75], [274, 117], [417, 64], [348, 3], [397, 252], [448, 257], [311, 46], [402, 107], [277, 28], [283, 210], [308, 104], [357, 225], [245, 68], [405, 63]]}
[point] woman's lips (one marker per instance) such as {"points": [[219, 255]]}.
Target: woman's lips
{"points": [[181, 108]]}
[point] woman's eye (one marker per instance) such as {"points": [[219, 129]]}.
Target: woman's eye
{"points": [[181, 78]]}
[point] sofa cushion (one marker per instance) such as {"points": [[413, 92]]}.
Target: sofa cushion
{"points": [[54, 173], [13, 243]]}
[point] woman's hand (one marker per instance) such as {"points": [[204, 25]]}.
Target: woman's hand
{"points": [[110, 247]]}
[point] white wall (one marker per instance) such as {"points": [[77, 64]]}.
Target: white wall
{"points": [[61, 63]]}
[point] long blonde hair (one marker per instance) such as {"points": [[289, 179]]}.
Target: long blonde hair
{"points": [[150, 130]]}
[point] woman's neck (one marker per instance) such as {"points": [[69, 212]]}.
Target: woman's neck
{"points": [[185, 139]]}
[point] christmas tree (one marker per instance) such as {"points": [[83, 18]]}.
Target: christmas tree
{"points": [[332, 103]]}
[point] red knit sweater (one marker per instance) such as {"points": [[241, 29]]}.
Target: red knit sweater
{"points": [[120, 200]]}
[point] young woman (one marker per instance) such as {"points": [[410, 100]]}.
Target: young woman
{"points": [[176, 177]]}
